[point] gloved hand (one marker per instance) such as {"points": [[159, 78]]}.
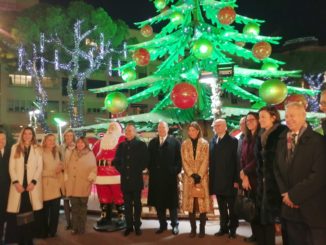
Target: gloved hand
{"points": [[196, 178]]}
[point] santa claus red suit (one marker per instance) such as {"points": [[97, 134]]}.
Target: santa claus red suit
{"points": [[108, 178]]}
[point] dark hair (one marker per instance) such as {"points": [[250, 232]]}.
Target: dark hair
{"points": [[20, 143], [273, 112], [85, 141], [248, 134], [196, 126]]}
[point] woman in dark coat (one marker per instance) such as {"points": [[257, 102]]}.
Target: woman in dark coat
{"points": [[248, 174], [268, 196]]}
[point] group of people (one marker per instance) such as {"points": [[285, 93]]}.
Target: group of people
{"points": [[280, 167], [35, 177]]}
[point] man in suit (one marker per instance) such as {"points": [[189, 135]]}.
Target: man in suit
{"points": [[164, 167], [130, 160], [300, 174], [322, 105], [4, 180], [224, 176]]}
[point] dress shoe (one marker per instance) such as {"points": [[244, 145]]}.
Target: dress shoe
{"points": [[232, 235], [221, 233], [68, 227], [138, 231], [161, 230], [252, 238], [175, 230], [128, 231], [74, 232]]}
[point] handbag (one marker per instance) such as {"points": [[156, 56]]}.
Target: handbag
{"points": [[197, 191], [25, 218], [244, 207]]}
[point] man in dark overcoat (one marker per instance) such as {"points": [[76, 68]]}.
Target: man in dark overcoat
{"points": [[300, 174], [164, 167], [224, 176], [130, 160], [4, 180]]}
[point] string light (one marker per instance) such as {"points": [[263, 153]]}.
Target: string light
{"points": [[95, 54]]}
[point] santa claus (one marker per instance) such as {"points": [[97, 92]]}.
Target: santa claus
{"points": [[108, 178]]}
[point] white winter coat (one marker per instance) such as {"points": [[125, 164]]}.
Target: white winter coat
{"points": [[34, 171]]}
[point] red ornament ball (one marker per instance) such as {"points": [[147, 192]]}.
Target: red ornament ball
{"points": [[184, 95], [262, 50], [296, 98], [226, 16], [141, 57], [146, 31]]}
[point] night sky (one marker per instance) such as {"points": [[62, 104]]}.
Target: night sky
{"points": [[286, 18]]}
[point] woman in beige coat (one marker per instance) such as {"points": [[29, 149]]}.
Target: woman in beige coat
{"points": [[81, 170], [52, 177], [69, 143], [25, 195], [194, 152]]}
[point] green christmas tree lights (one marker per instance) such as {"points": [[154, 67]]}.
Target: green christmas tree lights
{"points": [[201, 35]]}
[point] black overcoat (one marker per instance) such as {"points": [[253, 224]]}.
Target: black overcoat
{"points": [[303, 178], [223, 166], [130, 160], [4, 182], [268, 196], [164, 167]]}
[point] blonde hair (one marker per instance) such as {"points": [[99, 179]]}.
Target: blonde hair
{"points": [[69, 130], [20, 142], [55, 149]]}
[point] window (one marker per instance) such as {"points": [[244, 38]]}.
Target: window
{"points": [[19, 105], [20, 80], [52, 106]]}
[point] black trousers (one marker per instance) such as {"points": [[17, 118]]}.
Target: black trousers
{"points": [[265, 234], [133, 208], [228, 220], [299, 233], [51, 216], [161, 214]]}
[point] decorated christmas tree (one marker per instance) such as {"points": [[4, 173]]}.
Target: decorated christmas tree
{"points": [[202, 37]]}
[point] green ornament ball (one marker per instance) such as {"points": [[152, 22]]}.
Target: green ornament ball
{"points": [[203, 48], [177, 18], [251, 29], [159, 4], [116, 102], [273, 91], [128, 75], [269, 66]]}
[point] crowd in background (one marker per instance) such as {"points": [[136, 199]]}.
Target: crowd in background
{"points": [[279, 166]]}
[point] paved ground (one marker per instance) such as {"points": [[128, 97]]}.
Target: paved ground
{"points": [[92, 237]]}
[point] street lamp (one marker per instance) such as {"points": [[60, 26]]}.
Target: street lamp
{"points": [[60, 123]]}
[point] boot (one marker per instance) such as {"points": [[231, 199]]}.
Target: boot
{"points": [[192, 219], [202, 218], [106, 215], [121, 217]]}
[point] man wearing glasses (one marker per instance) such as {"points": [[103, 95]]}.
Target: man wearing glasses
{"points": [[322, 105]]}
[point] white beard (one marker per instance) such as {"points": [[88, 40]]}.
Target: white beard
{"points": [[110, 141]]}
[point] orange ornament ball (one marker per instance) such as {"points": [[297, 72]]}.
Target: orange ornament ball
{"points": [[262, 50], [141, 57], [226, 16], [146, 31]]}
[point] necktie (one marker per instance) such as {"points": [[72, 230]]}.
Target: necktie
{"points": [[161, 141], [293, 141]]}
